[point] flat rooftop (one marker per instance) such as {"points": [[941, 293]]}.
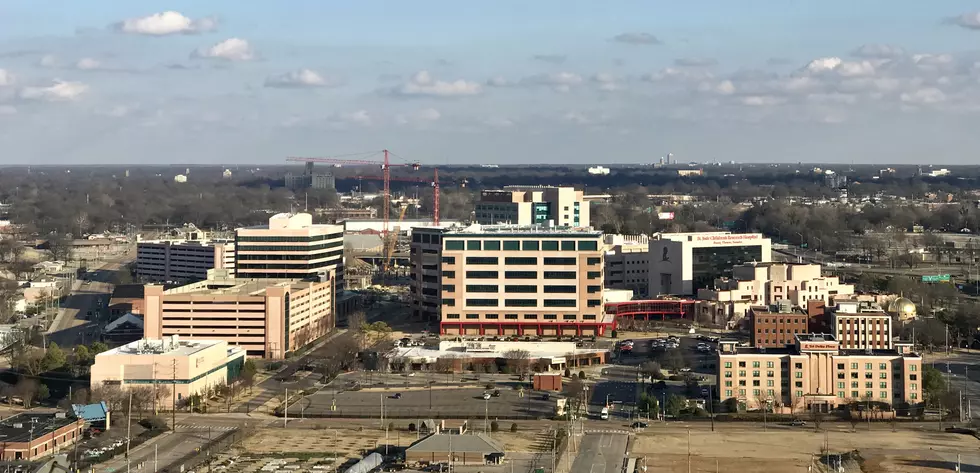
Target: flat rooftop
{"points": [[18, 427], [171, 346], [235, 286], [523, 230]]}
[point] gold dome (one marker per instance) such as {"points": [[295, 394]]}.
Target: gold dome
{"points": [[903, 307]]}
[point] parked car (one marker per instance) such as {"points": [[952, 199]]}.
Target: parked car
{"points": [[638, 425], [798, 423]]}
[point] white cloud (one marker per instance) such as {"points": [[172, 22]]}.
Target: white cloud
{"points": [[926, 96], [303, 78], [426, 115], [6, 78], [499, 82], [878, 51], [232, 49], [695, 61], [8, 110], [831, 98], [637, 38], [359, 117], [559, 81], [675, 74], [607, 82], [843, 68], [822, 64], [932, 61], [166, 23], [725, 87], [48, 60], [423, 84], [88, 64], [761, 100], [969, 20], [60, 91]]}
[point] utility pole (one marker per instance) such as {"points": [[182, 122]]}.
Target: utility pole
{"points": [[285, 408], [173, 400], [155, 451], [688, 450], [961, 406], [129, 428]]}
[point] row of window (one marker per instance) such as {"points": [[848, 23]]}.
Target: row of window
{"points": [[526, 316], [522, 245], [307, 248], [477, 302], [289, 239]]}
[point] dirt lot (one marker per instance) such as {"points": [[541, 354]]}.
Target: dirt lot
{"points": [[351, 443], [789, 451]]}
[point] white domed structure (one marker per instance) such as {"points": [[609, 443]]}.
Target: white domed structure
{"points": [[903, 308]]}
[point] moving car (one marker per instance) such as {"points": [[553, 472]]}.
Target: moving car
{"points": [[798, 423], [604, 415], [486, 396], [638, 425]]}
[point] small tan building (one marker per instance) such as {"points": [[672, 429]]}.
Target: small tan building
{"points": [[184, 367], [463, 449]]}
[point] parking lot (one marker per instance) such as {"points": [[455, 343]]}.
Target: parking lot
{"points": [[422, 403]]}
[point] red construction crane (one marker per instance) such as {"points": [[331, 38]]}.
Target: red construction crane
{"points": [[386, 166], [417, 180]]}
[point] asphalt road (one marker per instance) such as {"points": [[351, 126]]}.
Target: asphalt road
{"points": [[71, 328], [601, 453]]}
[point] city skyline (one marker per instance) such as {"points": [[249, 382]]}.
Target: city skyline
{"points": [[551, 82]]}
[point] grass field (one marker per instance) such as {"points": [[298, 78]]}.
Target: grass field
{"points": [[792, 451]]}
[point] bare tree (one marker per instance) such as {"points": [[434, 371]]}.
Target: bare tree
{"points": [[519, 361]]}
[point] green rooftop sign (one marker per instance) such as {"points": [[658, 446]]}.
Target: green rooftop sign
{"points": [[936, 278]]}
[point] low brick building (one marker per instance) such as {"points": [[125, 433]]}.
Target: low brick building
{"points": [[776, 326], [32, 435]]}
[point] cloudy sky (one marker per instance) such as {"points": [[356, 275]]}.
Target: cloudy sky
{"points": [[507, 81]]}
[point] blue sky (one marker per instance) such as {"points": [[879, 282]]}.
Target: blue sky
{"points": [[584, 82]]}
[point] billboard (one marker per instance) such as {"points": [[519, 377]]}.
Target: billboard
{"points": [[665, 215]]}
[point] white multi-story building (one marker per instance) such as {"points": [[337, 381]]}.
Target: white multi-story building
{"points": [[533, 205], [768, 284], [627, 263], [291, 246], [683, 263], [182, 260]]}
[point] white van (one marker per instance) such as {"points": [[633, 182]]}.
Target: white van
{"points": [[604, 415]]}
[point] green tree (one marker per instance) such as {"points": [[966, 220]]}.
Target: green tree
{"points": [[43, 392], [675, 404], [648, 404], [98, 347], [54, 357], [933, 385], [249, 371], [82, 356]]}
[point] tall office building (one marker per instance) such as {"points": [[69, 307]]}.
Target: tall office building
{"points": [[533, 205], [510, 280], [309, 179], [182, 260], [290, 247]]}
